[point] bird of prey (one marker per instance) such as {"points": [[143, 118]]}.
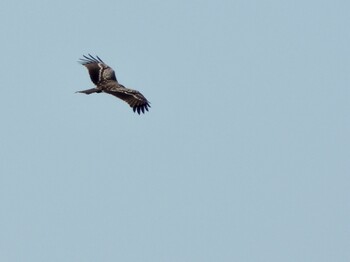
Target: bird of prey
{"points": [[105, 80]]}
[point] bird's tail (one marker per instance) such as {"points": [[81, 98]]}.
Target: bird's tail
{"points": [[90, 91]]}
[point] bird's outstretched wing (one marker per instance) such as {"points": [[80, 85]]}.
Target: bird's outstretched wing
{"points": [[98, 70], [133, 97]]}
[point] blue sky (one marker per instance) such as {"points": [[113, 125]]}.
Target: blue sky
{"points": [[244, 155]]}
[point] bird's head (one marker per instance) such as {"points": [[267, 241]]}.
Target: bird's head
{"points": [[108, 73]]}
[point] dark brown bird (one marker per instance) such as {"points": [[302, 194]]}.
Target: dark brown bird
{"points": [[105, 80]]}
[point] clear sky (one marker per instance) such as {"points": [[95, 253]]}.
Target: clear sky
{"points": [[244, 155]]}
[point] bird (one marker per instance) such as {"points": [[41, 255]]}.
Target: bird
{"points": [[103, 76]]}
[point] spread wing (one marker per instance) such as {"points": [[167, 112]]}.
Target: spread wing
{"points": [[133, 97], [98, 70]]}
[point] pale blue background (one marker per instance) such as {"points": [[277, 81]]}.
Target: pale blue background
{"points": [[244, 155]]}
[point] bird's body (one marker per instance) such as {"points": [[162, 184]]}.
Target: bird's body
{"points": [[105, 80]]}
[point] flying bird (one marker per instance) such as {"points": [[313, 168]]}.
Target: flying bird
{"points": [[105, 80]]}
